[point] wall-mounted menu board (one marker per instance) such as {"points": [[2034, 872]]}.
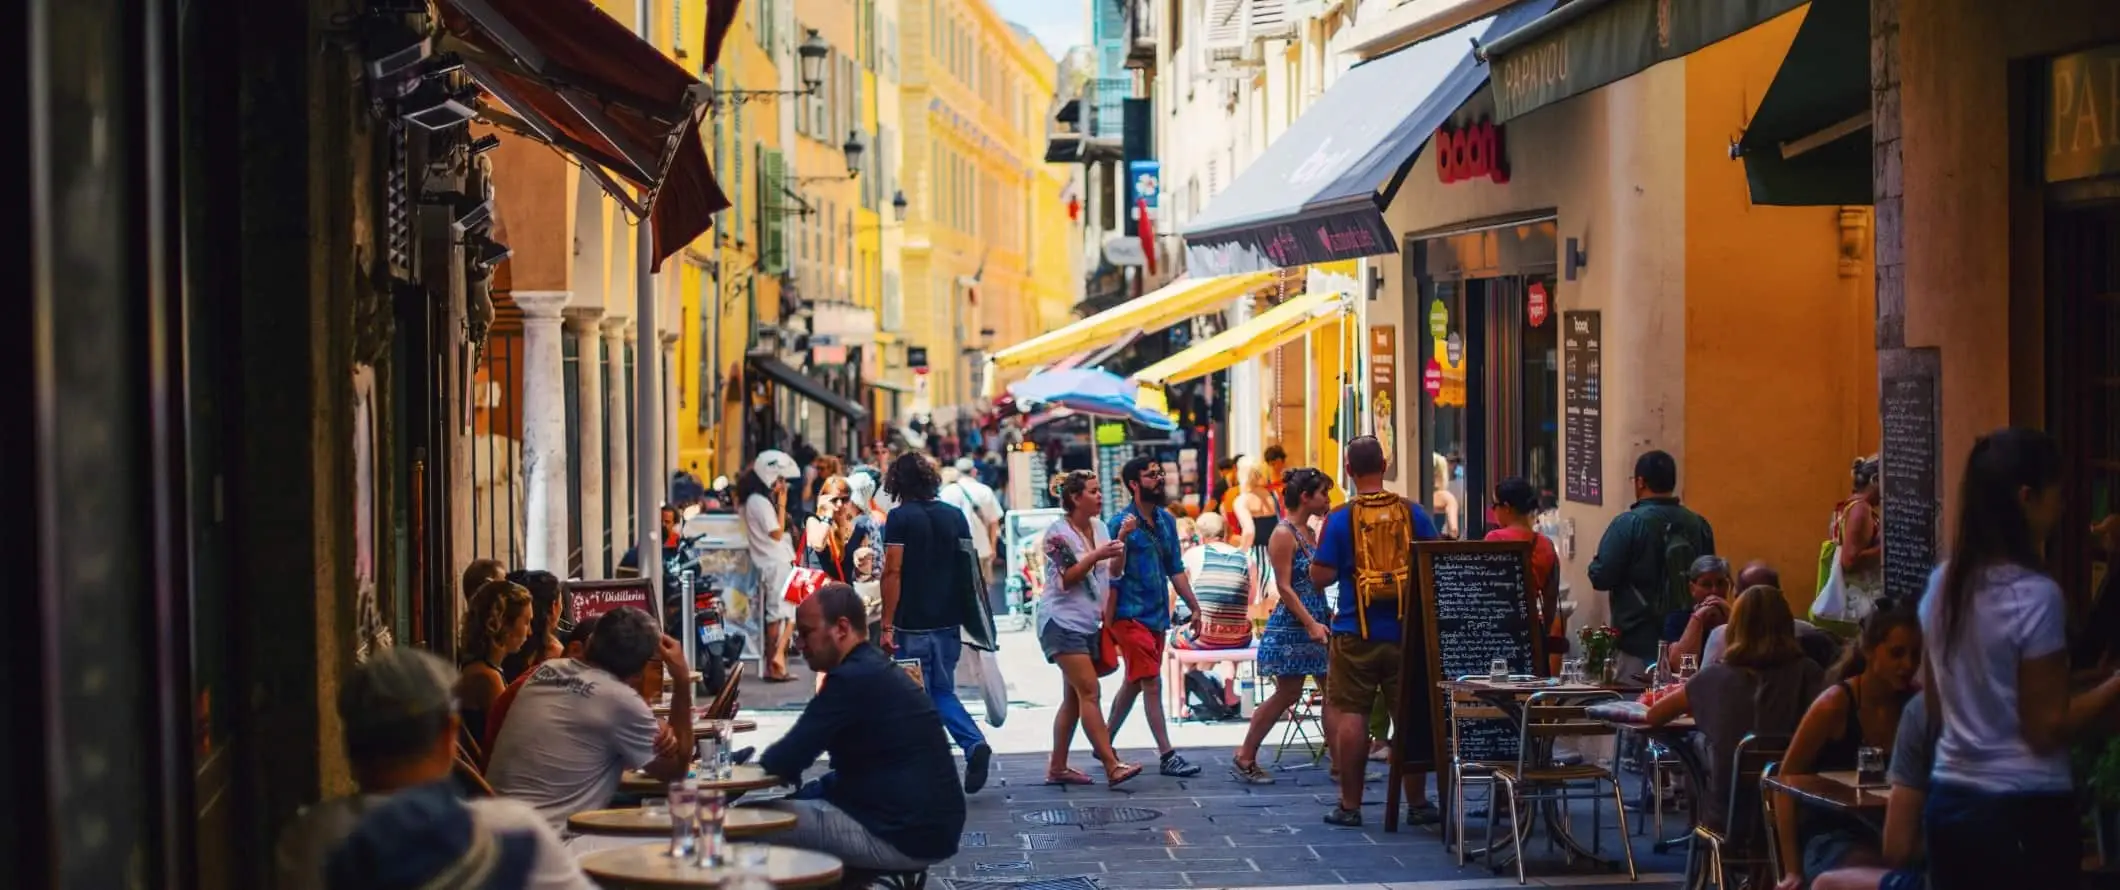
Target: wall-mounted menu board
{"points": [[1474, 608], [1907, 403], [1583, 407]]}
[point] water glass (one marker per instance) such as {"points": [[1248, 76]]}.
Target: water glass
{"points": [[684, 807], [713, 810], [709, 749], [721, 764], [1688, 665], [1498, 670], [1869, 766], [1572, 671]]}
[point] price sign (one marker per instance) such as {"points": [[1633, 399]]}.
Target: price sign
{"points": [[1455, 349], [1432, 378], [1536, 304], [1438, 320]]}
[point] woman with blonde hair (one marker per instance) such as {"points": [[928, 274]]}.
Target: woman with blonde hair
{"points": [[496, 623], [1257, 513]]}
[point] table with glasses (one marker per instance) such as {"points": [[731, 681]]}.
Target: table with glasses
{"points": [[741, 778], [650, 866], [1675, 737], [1835, 790], [654, 821], [1509, 696]]}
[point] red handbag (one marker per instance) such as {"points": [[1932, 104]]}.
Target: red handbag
{"points": [[1106, 658]]}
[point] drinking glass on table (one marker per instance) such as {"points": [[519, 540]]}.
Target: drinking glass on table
{"points": [[713, 810], [720, 766], [710, 748], [1688, 665], [683, 806], [1498, 671], [1869, 766]]}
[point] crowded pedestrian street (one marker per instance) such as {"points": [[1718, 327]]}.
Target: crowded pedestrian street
{"points": [[1064, 445]]}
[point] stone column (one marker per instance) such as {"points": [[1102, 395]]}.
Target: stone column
{"points": [[544, 415], [620, 496], [589, 428], [671, 464]]}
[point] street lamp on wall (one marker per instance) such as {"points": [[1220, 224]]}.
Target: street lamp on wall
{"points": [[856, 146], [810, 56], [899, 205]]}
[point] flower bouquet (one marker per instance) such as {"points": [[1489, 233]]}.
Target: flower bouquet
{"points": [[1600, 644]]}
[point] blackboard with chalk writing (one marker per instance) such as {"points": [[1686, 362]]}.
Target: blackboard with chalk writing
{"points": [[1474, 608], [1908, 405]]}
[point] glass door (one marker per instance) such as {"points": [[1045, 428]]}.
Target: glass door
{"points": [[2083, 390]]}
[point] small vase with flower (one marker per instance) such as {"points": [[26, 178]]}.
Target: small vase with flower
{"points": [[1600, 646]]}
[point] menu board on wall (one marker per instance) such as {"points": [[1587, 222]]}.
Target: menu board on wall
{"points": [[1472, 609], [1384, 393], [1582, 406], [1908, 406]]}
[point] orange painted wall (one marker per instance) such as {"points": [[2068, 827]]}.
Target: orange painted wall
{"points": [[534, 214], [1781, 370]]}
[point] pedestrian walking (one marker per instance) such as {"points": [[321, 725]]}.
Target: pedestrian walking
{"points": [[1293, 646], [1642, 560], [923, 603], [1079, 560], [1141, 608]]}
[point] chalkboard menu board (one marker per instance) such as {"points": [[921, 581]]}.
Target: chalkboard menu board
{"points": [[1908, 405], [1473, 609], [1582, 406]]}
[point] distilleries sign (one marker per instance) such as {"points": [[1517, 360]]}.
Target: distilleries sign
{"points": [[1908, 402], [2082, 134], [1582, 46]]}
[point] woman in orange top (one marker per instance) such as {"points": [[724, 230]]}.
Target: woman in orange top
{"points": [[1515, 502]]}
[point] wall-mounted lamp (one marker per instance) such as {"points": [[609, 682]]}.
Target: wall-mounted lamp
{"points": [[899, 205], [810, 56], [856, 146], [1376, 282], [1573, 259]]}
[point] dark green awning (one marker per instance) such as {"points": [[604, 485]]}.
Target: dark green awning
{"points": [[1589, 43], [1810, 143]]}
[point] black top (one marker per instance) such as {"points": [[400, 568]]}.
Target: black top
{"points": [[931, 565], [891, 764], [842, 570]]}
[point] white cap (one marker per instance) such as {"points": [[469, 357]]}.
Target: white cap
{"points": [[965, 465], [862, 488], [775, 465]]}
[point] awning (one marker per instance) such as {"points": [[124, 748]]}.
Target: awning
{"points": [[573, 78], [1589, 43], [1810, 143], [1311, 197], [1244, 342], [1168, 305], [809, 388]]}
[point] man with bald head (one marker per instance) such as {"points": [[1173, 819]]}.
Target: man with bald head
{"points": [[1817, 645], [1758, 574]]}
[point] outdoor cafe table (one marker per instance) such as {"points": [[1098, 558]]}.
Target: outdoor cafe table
{"points": [[1510, 698], [1833, 790], [650, 867], [743, 777], [739, 822], [1675, 737]]}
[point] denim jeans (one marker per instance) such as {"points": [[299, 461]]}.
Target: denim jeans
{"points": [[1981, 839], [938, 651]]}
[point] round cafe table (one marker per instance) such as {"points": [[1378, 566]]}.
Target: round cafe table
{"points": [[739, 822], [746, 777], [650, 866]]}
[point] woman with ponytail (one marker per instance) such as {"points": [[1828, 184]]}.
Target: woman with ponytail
{"points": [[1080, 559], [1860, 708]]}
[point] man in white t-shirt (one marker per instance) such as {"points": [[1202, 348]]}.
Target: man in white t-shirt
{"points": [[400, 723], [576, 725], [962, 489]]}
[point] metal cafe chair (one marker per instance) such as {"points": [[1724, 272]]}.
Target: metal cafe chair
{"points": [[1755, 758], [1305, 719], [1535, 778], [1465, 708]]}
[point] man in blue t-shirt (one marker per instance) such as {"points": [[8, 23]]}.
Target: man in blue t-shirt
{"points": [[1363, 667], [1141, 603]]}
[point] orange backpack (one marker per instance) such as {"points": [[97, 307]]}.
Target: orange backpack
{"points": [[1382, 527]]}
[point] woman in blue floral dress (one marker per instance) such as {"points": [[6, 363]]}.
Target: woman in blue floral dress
{"points": [[1293, 646]]}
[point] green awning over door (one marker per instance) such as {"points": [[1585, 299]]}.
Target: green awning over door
{"points": [[1810, 143], [1586, 44]]}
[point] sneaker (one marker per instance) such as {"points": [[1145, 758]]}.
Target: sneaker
{"points": [[1250, 773], [1423, 814], [975, 764], [1175, 764], [1344, 818]]}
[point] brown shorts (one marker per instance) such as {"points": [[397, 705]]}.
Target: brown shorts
{"points": [[1359, 670]]}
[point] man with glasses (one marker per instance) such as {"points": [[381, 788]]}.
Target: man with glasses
{"points": [[1141, 603]]}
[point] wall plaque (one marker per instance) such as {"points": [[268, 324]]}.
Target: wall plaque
{"points": [[2083, 92]]}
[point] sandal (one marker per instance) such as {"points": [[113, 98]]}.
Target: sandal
{"points": [[1068, 776], [1114, 778]]}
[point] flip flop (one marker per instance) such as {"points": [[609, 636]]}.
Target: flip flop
{"points": [[1069, 776], [1118, 777]]}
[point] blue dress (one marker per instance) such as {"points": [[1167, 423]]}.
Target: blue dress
{"points": [[1285, 650]]}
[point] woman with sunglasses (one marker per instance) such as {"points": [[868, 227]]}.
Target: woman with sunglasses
{"points": [[838, 531]]}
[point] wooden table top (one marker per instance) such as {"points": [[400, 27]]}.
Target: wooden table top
{"points": [[649, 865], [739, 822], [1533, 687], [1833, 790], [746, 777]]}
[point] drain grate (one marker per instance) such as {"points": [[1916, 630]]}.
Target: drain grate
{"points": [[1137, 839], [972, 839], [1092, 817], [1071, 882], [1012, 866]]}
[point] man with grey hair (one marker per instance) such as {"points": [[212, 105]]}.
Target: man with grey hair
{"points": [[400, 725]]}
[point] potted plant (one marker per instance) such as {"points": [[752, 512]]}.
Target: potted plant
{"points": [[2098, 771], [1600, 644]]}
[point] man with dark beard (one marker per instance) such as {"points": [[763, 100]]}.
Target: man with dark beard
{"points": [[1139, 610]]}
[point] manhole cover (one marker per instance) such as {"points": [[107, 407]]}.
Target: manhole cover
{"points": [[1072, 882], [990, 867], [1092, 817]]}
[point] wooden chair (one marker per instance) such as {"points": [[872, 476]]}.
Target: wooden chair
{"points": [[473, 779], [723, 707], [1534, 777], [1755, 758]]}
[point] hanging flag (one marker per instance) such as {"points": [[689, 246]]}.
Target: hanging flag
{"points": [[1147, 228]]}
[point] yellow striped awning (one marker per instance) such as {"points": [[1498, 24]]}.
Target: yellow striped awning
{"points": [[1246, 341], [1168, 305]]}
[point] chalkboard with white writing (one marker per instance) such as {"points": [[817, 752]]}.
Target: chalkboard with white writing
{"points": [[1474, 603], [1911, 500]]}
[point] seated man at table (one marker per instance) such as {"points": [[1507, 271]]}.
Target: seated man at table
{"points": [[1913, 752], [891, 801], [576, 725], [398, 712]]}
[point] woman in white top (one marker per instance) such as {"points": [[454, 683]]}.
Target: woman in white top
{"points": [[1080, 560], [765, 529], [2000, 811]]}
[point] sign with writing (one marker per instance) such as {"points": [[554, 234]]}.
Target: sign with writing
{"points": [[916, 357], [1907, 405], [1609, 42], [1455, 348], [1384, 392], [589, 600], [2083, 102], [1471, 152], [1536, 304], [1432, 378], [1473, 607], [1438, 320], [1148, 181], [1582, 407], [1309, 239]]}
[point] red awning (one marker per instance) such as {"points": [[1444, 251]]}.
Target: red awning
{"points": [[572, 77]]}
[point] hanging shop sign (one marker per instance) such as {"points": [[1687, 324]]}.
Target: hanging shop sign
{"points": [[1455, 348], [1537, 305], [2083, 90], [1470, 152], [1383, 390], [1432, 378], [916, 357], [1147, 179], [1438, 320]]}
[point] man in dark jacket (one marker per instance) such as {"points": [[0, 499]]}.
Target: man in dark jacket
{"points": [[891, 801], [1642, 559]]}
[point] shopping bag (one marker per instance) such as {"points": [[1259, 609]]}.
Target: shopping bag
{"points": [[803, 581], [1831, 604], [993, 688]]}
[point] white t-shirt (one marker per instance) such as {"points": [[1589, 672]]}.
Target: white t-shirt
{"points": [[980, 508], [774, 559], [308, 843], [572, 730], [2016, 615], [1081, 607]]}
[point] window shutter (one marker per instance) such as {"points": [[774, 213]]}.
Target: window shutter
{"points": [[1226, 22], [1269, 20], [772, 214]]}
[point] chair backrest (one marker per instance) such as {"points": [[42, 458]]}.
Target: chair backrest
{"points": [[723, 706], [1755, 758], [1466, 708], [1552, 715]]}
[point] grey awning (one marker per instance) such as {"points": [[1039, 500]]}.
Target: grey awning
{"points": [[809, 387], [1810, 141], [1589, 43]]}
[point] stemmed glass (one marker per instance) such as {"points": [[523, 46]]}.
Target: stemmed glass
{"points": [[684, 806]]}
